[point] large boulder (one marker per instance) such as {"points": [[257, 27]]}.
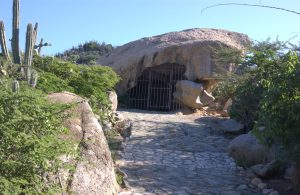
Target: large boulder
{"points": [[113, 98], [246, 149], [232, 126], [191, 48], [192, 94], [94, 168]]}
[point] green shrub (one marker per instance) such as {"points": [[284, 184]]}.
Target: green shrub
{"points": [[92, 82], [50, 83], [279, 111], [249, 92], [30, 147], [268, 99]]}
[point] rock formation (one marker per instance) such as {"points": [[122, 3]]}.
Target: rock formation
{"points": [[246, 149], [191, 48], [94, 169]]}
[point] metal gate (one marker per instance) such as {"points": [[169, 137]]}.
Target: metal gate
{"points": [[155, 87]]}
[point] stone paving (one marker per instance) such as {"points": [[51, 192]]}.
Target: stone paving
{"points": [[176, 154]]}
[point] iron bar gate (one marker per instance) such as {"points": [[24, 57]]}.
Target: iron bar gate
{"points": [[155, 87]]}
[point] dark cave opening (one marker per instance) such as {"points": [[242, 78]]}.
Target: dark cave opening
{"points": [[155, 87]]}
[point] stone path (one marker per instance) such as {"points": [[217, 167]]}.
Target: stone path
{"points": [[175, 154]]}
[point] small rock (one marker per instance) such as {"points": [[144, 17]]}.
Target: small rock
{"points": [[3, 72], [256, 181], [266, 171], [267, 191], [250, 174], [291, 173], [274, 193], [113, 98], [107, 126], [232, 126], [247, 149], [242, 187], [262, 186]]}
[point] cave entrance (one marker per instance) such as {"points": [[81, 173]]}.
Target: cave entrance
{"points": [[155, 87]]}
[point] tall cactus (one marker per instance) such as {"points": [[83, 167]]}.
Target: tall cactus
{"points": [[15, 86], [15, 32], [35, 33], [4, 49], [28, 51], [41, 45]]}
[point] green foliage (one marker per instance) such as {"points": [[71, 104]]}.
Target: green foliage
{"points": [[279, 108], [50, 83], [30, 145], [267, 99], [225, 59], [248, 93], [92, 82], [86, 53]]}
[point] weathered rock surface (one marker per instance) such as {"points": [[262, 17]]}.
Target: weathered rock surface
{"points": [[188, 93], [232, 126], [94, 169], [266, 170], [192, 48], [225, 111], [246, 149], [113, 98], [292, 173]]}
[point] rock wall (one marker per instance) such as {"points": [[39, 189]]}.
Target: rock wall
{"points": [[192, 48], [94, 169]]}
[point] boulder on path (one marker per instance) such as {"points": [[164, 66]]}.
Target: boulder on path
{"points": [[113, 98], [266, 170], [94, 169], [192, 48], [232, 126], [246, 149], [188, 92]]}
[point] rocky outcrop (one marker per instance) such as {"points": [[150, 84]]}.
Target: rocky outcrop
{"points": [[246, 149], [232, 126], [191, 48], [192, 94], [113, 98], [93, 168]]}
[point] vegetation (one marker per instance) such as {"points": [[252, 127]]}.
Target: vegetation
{"points": [[30, 146], [92, 82], [31, 127], [86, 53], [266, 95]]}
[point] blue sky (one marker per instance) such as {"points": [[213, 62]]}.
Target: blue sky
{"points": [[66, 23]]}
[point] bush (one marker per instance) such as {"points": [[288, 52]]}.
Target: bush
{"points": [[268, 99], [92, 82], [249, 91], [50, 83], [30, 147], [279, 108]]}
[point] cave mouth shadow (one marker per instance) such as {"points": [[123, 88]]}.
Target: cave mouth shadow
{"points": [[155, 87]]}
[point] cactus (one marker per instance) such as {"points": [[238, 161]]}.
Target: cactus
{"points": [[28, 51], [35, 33], [4, 49], [33, 78], [15, 33], [15, 86], [41, 45]]}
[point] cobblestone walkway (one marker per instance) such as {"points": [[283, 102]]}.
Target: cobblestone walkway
{"points": [[175, 154]]}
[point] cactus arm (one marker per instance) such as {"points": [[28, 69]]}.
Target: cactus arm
{"points": [[4, 49], [35, 30], [15, 32], [28, 51]]}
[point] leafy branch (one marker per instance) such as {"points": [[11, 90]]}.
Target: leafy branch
{"points": [[251, 5]]}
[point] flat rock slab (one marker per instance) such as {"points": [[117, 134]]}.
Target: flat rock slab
{"points": [[172, 154]]}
